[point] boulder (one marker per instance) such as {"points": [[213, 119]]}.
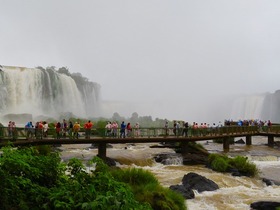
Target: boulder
{"points": [[240, 141], [269, 182], [197, 182], [186, 192], [195, 159], [265, 205]]}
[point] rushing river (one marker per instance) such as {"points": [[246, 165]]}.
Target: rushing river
{"points": [[234, 193]]}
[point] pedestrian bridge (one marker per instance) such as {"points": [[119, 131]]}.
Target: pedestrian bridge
{"points": [[144, 135]]}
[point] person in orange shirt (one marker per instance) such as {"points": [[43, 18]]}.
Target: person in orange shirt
{"points": [[76, 129]]}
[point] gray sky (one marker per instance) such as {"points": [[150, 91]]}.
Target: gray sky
{"points": [[178, 58]]}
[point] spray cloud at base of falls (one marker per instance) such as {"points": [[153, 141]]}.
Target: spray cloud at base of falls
{"points": [[47, 92]]}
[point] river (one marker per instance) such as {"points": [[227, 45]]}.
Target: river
{"points": [[234, 193]]}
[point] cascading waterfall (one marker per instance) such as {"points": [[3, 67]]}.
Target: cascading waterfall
{"points": [[263, 106], [248, 107], [46, 92]]}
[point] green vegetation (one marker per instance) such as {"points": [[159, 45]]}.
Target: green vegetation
{"points": [[223, 163], [35, 178], [147, 189]]}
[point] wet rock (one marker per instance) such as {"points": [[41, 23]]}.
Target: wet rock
{"points": [[186, 192], [240, 141], [168, 158], [265, 205], [269, 182], [197, 182], [195, 159]]}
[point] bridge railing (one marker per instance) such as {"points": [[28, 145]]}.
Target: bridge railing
{"points": [[25, 133]]}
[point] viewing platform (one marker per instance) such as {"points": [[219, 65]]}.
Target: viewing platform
{"points": [[101, 138]]}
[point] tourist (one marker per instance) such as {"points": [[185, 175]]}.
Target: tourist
{"points": [[76, 129], [137, 130], [14, 131], [128, 129], [45, 128], [174, 128], [70, 130], [108, 129], [58, 130], [166, 128], [185, 129], [115, 127], [40, 130], [10, 129], [122, 132], [64, 128], [29, 130], [87, 128]]}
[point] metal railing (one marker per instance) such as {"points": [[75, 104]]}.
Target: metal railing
{"points": [[32, 133]]}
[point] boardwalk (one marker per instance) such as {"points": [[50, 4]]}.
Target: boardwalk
{"points": [[145, 135]]}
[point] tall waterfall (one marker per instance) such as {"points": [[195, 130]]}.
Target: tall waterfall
{"points": [[263, 106], [47, 92]]}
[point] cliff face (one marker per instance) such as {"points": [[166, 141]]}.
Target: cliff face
{"points": [[49, 92]]}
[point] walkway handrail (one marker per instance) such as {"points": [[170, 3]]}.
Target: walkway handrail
{"points": [[32, 133]]}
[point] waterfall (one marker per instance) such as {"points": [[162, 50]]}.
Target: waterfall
{"points": [[248, 107], [46, 92]]}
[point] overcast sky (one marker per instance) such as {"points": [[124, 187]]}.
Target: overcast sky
{"points": [[178, 58]]}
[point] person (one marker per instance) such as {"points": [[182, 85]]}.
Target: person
{"points": [[45, 128], [128, 129], [175, 128], [108, 129], [122, 132], [29, 130], [186, 128], [57, 130], [76, 129], [137, 129], [166, 128], [115, 127], [70, 130], [10, 129], [87, 128], [14, 131], [64, 128], [40, 130]]}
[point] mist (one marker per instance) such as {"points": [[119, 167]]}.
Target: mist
{"points": [[184, 60]]}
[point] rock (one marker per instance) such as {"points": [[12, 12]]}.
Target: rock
{"points": [[168, 158], [187, 193], [269, 182], [195, 159], [197, 182], [240, 141], [265, 205]]}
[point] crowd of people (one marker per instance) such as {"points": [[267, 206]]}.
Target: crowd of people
{"points": [[113, 129]]}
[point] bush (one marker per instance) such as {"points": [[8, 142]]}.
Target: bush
{"points": [[147, 189], [223, 163]]}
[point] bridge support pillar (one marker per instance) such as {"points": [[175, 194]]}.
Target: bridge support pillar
{"points": [[102, 150], [248, 140], [226, 144], [184, 148], [270, 141]]}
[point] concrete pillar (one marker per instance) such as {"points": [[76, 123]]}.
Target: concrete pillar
{"points": [[226, 144], [248, 140], [270, 141], [102, 150]]}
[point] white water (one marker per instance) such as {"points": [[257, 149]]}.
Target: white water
{"points": [[248, 107], [234, 192], [44, 92]]}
